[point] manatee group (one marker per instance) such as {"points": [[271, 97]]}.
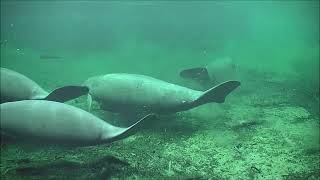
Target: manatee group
{"points": [[30, 112]]}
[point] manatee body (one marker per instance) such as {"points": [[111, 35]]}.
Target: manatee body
{"points": [[16, 86], [221, 70], [131, 92], [218, 71], [49, 121]]}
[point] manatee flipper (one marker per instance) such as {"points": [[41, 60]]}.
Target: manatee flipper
{"points": [[199, 73], [218, 93], [67, 93], [89, 102], [126, 132]]}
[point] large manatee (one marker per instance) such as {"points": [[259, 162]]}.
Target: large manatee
{"points": [[59, 123], [131, 92], [16, 86]]}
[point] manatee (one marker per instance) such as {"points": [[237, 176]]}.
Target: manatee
{"points": [[218, 71], [122, 92], [59, 123], [15, 87]]}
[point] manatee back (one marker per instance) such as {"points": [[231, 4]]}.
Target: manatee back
{"points": [[50, 121], [15, 86], [138, 90], [222, 70]]}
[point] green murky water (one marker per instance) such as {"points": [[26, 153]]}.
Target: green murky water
{"points": [[268, 128]]}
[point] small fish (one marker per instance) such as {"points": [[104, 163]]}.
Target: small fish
{"points": [[50, 57], [4, 42]]}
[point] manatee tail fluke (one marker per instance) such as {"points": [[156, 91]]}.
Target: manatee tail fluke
{"points": [[67, 93], [126, 132], [218, 93], [199, 73]]}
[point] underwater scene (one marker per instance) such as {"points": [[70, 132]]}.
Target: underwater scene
{"points": [[160, 90]]}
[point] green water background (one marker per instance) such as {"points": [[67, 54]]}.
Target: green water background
{"points": [[158, 38]]}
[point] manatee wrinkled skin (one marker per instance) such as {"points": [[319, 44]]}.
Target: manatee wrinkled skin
{"points": [[122, 92]]}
